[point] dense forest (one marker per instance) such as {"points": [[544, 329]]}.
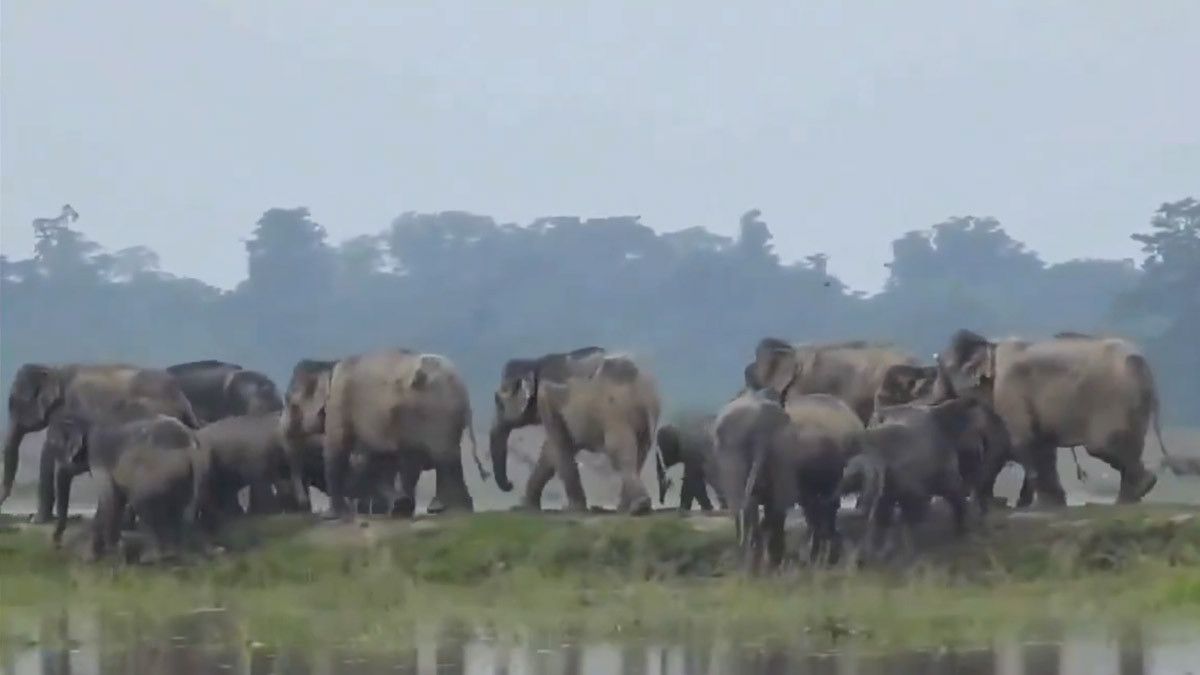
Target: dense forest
{"points": [[690, 303]]}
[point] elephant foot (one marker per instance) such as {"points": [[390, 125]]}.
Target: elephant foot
{"points": [[39, 519], [435, 506], [404, 507], [1138, 490], [640, 506], [332, 514]]}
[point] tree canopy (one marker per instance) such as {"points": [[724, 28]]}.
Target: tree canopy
{"points": [[690, 303]]}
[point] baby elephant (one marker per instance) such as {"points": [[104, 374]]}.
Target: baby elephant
{"points": [[155, 465], [247, 451], [910, 454], [690, 442]]}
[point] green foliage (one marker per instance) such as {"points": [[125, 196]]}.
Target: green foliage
{"points": [[689, 303]]}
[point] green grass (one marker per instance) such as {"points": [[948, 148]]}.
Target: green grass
{"points": [[289, 582]]}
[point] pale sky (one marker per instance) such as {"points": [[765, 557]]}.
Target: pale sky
{"points": [[175, 124]]}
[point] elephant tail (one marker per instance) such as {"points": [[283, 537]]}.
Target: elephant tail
{"points": [[760, 445], [470, 429], [1145, 377]]}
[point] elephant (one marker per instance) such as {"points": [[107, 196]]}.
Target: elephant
{"points": [[766, 459], [155, 465], [587, 399], [689, 442], [910, 454], [247, 452], [41, 393], [217, 389], [389, 402], [985, 435], [1063, 392], [851, 371]]}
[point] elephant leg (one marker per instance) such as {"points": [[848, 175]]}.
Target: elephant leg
{"points": [[1050, 492], [622, 446], [1123, 452], [1028, 488], [773, 523], [693, 488], [451, 483], [405, 503], [261, 501], [336, 454], [62, 502], [543, 471], [106, 525], [45, 488], [562, 453]]}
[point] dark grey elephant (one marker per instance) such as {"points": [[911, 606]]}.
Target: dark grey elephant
{"points": [[389, 402], [851, 371], [587, 399], [41, 393], [217, 389], [1067, 391], [983, 436], [154, 465], [767, 460], [689, 441], [909, 455]]}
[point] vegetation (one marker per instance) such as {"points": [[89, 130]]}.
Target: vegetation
{"points": [[481, 292], [289, 581]]}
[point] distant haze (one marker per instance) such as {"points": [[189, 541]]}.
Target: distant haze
{"points": [[176, 124]]}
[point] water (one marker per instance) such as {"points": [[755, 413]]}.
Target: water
{"points": [[76, 643]]}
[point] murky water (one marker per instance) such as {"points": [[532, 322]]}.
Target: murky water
{"points": [[209, 642]]}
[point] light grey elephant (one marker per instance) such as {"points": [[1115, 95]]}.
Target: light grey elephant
{"points": [[395, 402], [587, 399], [851, 371], [1067, 391]]}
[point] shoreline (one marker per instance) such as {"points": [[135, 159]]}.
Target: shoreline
{"points": [[291, 579]]}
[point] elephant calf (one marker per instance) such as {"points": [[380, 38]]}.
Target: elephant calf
{"points": [[690, 442], [911, 454], [765, 458], [247, 452], [154, 465]]}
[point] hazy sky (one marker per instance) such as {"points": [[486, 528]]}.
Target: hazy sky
{"points": [[175, 124]]}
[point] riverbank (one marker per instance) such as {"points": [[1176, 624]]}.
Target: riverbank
{"points": [[294, 580]]}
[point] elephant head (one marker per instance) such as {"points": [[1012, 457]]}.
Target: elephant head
{"points": [[904, 383], [774, 368], [516, 406], [307, 395], [522, 381], [252, 393], [37, 391], [968, 367]]}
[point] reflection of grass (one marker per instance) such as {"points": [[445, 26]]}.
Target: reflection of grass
{"points": [[613, 576]]}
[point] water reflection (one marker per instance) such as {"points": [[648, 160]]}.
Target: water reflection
{"points": [[209, 642]]}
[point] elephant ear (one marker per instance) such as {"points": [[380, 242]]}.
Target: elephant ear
{"points": [[555, 393], [69, 435], [775, 363], [41, 391]]}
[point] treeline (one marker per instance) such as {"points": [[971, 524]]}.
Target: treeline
{"points": [[690, 303]]}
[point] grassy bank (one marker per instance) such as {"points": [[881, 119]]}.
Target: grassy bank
{"points": [[288, 579]]}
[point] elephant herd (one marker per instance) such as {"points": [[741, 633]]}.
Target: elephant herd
{"points": [[173, 448]]}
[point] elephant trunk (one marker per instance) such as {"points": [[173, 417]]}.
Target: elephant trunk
{"points": [[498, 447], [12, 448], [661, 469]]}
